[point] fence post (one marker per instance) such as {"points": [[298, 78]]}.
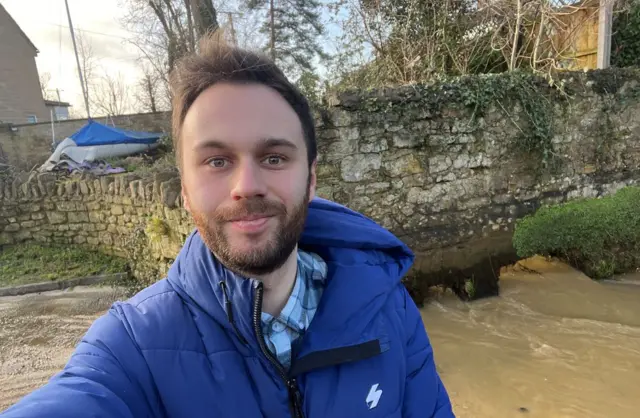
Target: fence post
{"points": [[604, 33]]}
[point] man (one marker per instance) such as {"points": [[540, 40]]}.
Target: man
{"points": [[280, 304]]}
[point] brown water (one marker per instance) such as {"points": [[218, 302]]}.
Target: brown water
{"points": [[555, 344]]}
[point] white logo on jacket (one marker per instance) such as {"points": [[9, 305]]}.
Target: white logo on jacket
{"points": [[374, 396]]}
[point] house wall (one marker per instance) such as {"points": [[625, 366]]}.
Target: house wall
{"points": [[20, 93]]}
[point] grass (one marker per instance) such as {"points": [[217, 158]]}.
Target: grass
{"points": [[35, 263]]}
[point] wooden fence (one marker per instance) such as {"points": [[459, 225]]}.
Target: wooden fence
{"points": [[574, 34]]}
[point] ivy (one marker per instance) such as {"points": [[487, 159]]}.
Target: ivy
{"points": [[525, 89], [625, 41]]}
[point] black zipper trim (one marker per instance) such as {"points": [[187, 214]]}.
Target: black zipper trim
{"points": [[325, 358], [229, 309], [295, 398]]}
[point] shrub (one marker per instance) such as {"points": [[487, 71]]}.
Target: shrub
{"points": [[599, 236]]}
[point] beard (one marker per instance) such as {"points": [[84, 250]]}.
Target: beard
{"points": [[273, 250]]}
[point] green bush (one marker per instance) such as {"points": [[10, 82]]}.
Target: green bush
{"points": [[599, 236]]}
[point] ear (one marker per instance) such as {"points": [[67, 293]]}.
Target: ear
{"points": [[185, 200], [313, 179]]}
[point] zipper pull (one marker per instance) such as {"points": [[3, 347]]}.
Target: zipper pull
{"points": [[296, 397]]}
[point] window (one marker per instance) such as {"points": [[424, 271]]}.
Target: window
{"points": [[32, 118]]}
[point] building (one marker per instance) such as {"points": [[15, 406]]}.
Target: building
{"points": [[57, 110], [21, 98]]}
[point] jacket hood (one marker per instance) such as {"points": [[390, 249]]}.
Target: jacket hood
{"points": [[364, 260]]}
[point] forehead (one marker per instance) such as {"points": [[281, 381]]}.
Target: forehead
{"points": [[240, 115]]}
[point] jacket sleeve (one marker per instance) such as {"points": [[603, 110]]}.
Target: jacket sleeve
{"points": [[425, 396], [106, 376]]}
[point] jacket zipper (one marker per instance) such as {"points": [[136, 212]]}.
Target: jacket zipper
{"points": [[295, 398]]}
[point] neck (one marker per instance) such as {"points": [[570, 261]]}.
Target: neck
{"points": [[278, 285]]}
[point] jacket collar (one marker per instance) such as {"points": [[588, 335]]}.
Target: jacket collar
{"points": [[364, 262]]}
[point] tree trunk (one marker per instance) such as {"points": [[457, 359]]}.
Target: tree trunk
{"points": [[204, 16], [192, 40], [516, 37]]}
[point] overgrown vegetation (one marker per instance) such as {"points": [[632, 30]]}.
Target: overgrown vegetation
{"points": [[599, 236], [625, 40], [33, 263], [145, 267], [156, 228], [160, 159]]}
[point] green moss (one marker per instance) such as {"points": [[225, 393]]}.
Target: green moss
{"points": [[599, 236], [156, 228], [34, 263]]}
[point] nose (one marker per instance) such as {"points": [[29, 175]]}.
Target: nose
{"points": [[247, 181]]}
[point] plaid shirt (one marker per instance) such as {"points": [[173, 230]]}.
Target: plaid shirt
{"points": [[281, 332]]}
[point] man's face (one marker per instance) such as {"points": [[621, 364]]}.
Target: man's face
{"points": [[245, 176]]}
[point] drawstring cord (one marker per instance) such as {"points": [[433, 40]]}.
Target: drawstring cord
{"points": [[229, 308]]}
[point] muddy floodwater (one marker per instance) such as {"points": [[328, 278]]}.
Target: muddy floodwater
{"points": [[554, 344]]}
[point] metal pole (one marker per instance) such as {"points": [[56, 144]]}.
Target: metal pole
{"points": [[75, 50], [273, 30], [53, 132], [604, 33]]}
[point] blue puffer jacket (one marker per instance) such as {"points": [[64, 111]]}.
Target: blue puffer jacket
{"points": [[187, 345]]}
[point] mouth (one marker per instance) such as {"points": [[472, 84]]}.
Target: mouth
{"points": [[251, 218], [252, 223]]}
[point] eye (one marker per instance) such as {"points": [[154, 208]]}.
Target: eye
{"points": [[274, 160], [217, 162]]}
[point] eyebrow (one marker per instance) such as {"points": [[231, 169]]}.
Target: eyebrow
{"points": [[264, 143]]}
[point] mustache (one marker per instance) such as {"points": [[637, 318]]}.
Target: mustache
{"points": [[250, 207]]}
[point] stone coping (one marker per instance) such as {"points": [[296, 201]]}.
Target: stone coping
{"points": [[59, 284]]}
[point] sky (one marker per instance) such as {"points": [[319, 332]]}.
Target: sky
{"points": [[45, 23]]}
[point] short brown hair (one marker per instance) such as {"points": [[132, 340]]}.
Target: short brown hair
{"points": [[218, 62]]}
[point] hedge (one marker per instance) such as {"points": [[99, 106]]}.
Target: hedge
{"points": [[599, 236]]}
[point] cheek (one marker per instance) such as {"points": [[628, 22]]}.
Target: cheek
{"points": [[291, 188], [204, 194]]}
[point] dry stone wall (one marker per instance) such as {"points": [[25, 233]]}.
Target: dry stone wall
{"points": [[103, 213], [443, 176]]}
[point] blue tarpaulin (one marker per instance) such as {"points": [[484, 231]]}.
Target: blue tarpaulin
{"points": [[95, 133]]}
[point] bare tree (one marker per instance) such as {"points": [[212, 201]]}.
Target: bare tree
{"points": [[164, 30], [540, 35], [408, 41], [148, 96], [45, 79], [111, 94]]}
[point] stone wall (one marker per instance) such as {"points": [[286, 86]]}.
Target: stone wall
{"points": [[103, 213], [25, 146], [449, 179], [441, 174]]}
